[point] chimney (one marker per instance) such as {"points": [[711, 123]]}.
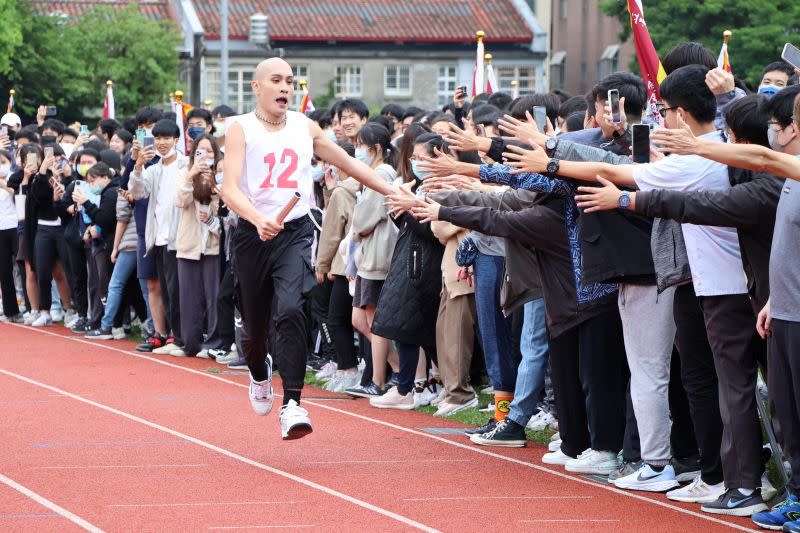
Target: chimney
{"points": [[259, 29]]}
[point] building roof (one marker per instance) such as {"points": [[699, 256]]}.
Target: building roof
{"points": [[154, 9], [371, 20]]}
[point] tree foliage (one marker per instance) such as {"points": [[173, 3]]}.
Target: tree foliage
{"points": [[66, 63], [760, 29]]}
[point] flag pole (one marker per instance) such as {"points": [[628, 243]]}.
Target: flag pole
{"points": [[726, 36], [514, 89], [11, 94], [478, 80]]}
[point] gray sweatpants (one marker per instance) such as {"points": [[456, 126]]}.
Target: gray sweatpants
{"points": [[649, 330]]}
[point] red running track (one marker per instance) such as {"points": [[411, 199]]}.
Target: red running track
{"points": [[96, 437]]}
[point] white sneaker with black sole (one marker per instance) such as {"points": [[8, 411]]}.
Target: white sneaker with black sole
{"points": [[295, 422], [647, 479], [261, 395]]}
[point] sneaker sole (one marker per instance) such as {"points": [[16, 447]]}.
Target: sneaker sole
{"points": [[556, 463], [100, 337], [655, 486], [397, 407], [744, 511], [362, 394], [691, 499], [477, 439], [597, 471], [470, 404], [298, 432], [238, 367], [772, 527]]}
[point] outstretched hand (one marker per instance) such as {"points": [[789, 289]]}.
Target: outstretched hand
{"points": [[525, 161], [403, 200], [441, 165], [679, 140], [428, 211], [602, 198], [525, 131]]}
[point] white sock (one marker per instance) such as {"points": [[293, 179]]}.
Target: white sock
{"points": [[747, 492]]}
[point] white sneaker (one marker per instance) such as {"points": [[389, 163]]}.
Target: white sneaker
{"points": [[118, 333], [487, 390], [31, 317], [698, 491], [295, 422], [44, 319], [70, 317], [393, 400], [57, 315], [648, 480], [429, 392], [488, 409], [554, 445], [228, 358], [166, 349], [448, 409], [233, 346], [203, 354], [177, 352], [334, 381], [594, 462], [348, 381], [440, 398], [767, 490], [540, 420], [556, 458], [261, 396], [327, 371]]}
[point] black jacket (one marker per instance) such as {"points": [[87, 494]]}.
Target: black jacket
{"points": [[105, 215], [540, 226], [409, 302], [749, 205]]}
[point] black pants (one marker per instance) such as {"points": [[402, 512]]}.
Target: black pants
{"points": [[699, 380], [409, 358], [730, 324], [784, 390], [590, 375], [8, 253], [319, 301], [167, 266], [340, 323], [48, 248], [79, 278], [273, 279], [224, 334], [101, 274]]}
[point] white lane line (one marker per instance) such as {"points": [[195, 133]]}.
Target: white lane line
{"points": [[457, 498], [387, 461], [287, 526], [322, 488], [472, 449], [92, 467], [578, 521], [41, 500], [203, 504]]}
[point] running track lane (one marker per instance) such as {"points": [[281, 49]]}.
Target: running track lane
{"points": [[129, 444]]}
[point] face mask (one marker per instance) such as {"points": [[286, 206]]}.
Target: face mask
{"points": [[48, 139], [195, 131], [768, 90], [419, 174], [68, 149], [774, 143], [219, 129], [82, 169], [330, 135], [363, 156], [218, 178], [169, 154], [5, 170], [97, 189], [317, 174]]}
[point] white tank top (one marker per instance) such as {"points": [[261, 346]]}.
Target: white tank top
{"points": [[277, 164]]}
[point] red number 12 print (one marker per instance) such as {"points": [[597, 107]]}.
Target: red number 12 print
{"points": [[285, 180]]}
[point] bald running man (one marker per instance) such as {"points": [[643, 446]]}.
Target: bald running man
{"points": [[268, 156]]}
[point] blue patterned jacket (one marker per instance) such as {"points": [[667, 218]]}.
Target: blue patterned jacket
{"points": [[501, 174]]}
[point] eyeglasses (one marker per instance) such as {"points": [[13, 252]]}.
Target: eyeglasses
{"points": [[776, 126], [663, 111]]}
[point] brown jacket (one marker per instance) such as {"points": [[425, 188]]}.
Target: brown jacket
{"points": [[336, 226], [193, 234], [451, 236]]}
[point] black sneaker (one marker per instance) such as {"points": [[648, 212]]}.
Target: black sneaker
{"points": [[686, 468], [100, 334], [734, 503], [315, 363], [368, 391], [81, 326], [486, 428], [214, 353], [156, 341], [507, 433]]}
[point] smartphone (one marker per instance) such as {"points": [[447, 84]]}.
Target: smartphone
{"points": [[613, 100], [791, 54], [48, 152], [31, 159], [462, 90], [641, 143], [84, 129], [148, 141], [140, 133], [540, 116], [51, 111], [4, 130]]}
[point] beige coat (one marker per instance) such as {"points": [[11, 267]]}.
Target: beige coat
{"points": [[336, 226], [194, 238], [451, 236]]}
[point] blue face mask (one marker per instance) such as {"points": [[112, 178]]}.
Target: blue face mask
{"points": [[195, 131], [768, 90], [317, 173], [96, 189], [363, 156], [331, 135], [419, 174]]}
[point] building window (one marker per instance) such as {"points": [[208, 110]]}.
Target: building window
{"points": [[564, 9], [397, 80], [558, 69], [446, 84], [524, 74], [348, 80], [609, 61], [240, 92], [301, 72]]}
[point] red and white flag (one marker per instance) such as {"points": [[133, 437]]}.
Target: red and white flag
{"points": [[491, 80], [108, 108], [10, 102], [306, 104], [723, 61], [182, 147], [478, 81], [652, 71]]}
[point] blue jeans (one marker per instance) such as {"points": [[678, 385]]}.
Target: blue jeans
{"points": [[123, 269], [532, 368], [495, 329]]}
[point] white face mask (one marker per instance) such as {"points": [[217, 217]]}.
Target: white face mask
{"points": [[219, 128], [5, 170], [68, 149]]}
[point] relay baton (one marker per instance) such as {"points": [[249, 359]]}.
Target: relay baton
{"points": [[288, 207]]}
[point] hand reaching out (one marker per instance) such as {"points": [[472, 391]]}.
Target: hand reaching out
{"points": [[441, 165], [428, 211], [527, 161], [524, 131], [676, 141]]}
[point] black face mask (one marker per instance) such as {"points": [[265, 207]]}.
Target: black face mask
{"points": [[48, 139]]}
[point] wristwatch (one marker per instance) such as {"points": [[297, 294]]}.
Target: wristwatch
{"points": [[550, 145], [624, 200], [552, 166]]}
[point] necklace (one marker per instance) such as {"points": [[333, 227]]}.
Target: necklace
{"points": [[281, 122]]}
